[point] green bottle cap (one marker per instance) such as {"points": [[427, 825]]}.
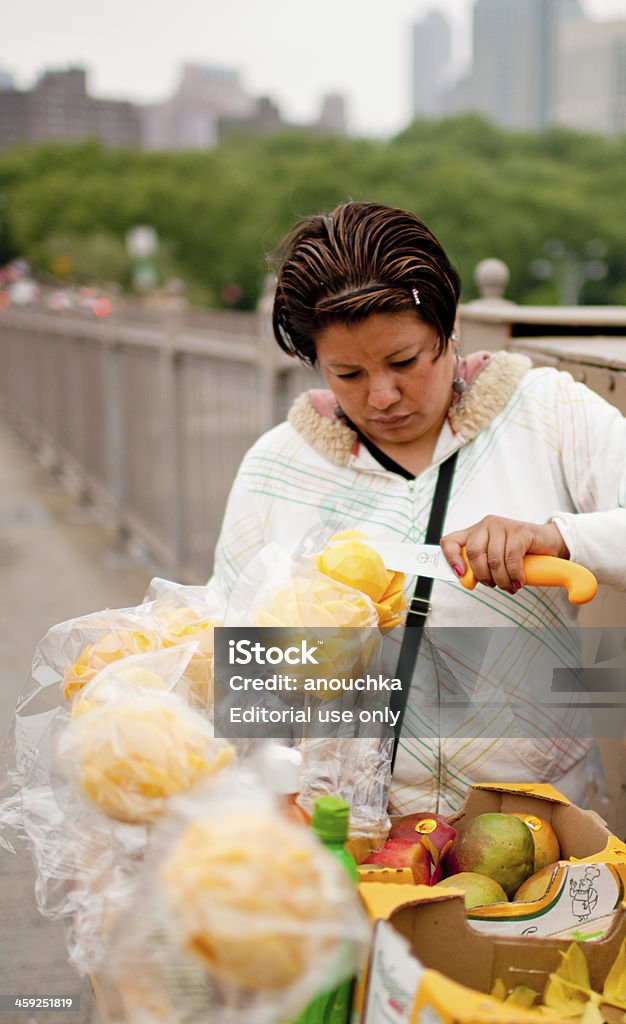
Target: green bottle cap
{"points": [[330, 820]]}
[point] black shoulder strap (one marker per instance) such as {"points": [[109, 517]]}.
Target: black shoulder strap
{"points": [[420, 602]]}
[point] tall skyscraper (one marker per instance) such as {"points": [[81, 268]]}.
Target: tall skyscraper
{"points": [[432, 43], [333, 118], [591, 88], [515, 58]]}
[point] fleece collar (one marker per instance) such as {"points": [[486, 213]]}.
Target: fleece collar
{"points": [[491, 380]]}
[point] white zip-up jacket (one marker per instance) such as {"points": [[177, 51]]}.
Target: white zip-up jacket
{"points": [[533, 445]]}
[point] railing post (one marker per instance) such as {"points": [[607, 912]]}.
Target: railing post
{"points": [[267, 361], [493, 330], [172, 413], [115, 442]]}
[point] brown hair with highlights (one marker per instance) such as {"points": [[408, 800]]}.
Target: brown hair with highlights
{"points": [[360, 260]]}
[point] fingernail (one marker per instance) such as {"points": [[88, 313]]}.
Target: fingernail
{"points": [[517, 585], [458, 570]]}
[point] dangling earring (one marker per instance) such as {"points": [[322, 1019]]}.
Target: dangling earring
{"points": [[458, 384]]}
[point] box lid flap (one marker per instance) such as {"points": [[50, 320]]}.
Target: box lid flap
{"points": [[541, 790]]}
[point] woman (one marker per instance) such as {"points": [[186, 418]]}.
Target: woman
{"points": [[368, 295]]}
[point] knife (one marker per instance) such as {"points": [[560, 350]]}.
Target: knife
{"points": [[539, 570]]}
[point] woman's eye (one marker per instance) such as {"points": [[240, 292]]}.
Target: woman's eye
{"points": [[347, 376], [405, 362]]}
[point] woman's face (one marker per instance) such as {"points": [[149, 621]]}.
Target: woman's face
{"points": [[387, 377]]}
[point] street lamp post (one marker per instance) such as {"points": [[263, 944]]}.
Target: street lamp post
{"points": [[571, 270], [142, 243]]}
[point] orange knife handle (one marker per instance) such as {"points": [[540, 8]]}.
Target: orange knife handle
{"points": [[548, 571]]}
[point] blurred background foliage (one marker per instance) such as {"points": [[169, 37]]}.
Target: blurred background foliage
{"points": [[220, 213]]}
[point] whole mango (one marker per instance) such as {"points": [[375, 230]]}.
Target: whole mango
{"points": [[536, 886], [494, 844], [547, 846], [478, 890]]}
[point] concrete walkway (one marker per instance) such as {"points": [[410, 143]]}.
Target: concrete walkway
{"points": [[55, 563]]}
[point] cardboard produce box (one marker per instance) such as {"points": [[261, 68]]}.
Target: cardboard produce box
{"points": [[586, 842], [427, 963], [583, 835], [589, 882], [588, 885]]}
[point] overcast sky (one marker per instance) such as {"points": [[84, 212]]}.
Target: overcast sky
{"points": [[291, 50]]}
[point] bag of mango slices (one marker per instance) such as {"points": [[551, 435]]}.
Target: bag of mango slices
{"points": [[110, 762], [331, 594], [242, 915], [74, 653], [302, 606]]}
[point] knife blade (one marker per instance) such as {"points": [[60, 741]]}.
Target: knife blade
{"points": [[414, 559], [539, 570]]}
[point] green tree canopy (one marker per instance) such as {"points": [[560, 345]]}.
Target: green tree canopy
{"points": [[219, 213]]}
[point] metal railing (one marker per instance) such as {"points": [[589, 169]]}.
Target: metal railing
{"points": [[148, 422]]}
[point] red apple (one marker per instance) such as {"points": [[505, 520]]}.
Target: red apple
{"points": [[416, 826], [404, 853]]}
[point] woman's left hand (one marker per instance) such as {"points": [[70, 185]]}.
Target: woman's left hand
{"points": [[495, 549]]}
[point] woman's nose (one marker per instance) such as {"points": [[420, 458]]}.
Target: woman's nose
{"points": [[383, 393]]}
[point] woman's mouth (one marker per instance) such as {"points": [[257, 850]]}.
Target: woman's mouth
{"points": [[391, 421]]}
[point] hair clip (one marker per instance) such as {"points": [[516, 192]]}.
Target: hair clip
{"points": [[416, 296]]}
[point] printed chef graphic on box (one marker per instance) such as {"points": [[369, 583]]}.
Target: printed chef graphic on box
{"points": [[584, 895], [578, 894]]}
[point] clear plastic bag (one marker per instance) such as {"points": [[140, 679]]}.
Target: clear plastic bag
{"points": [[74, 652], [106, 766], [132, 743], [241, 915], [278, 590], [183, 614], [357, 770]]}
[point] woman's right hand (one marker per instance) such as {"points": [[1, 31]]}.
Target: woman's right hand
{"points": [[495, 549]]}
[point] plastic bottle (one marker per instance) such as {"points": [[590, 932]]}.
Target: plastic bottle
{"points": [[287, 784], [330, 820], [279, 768]]}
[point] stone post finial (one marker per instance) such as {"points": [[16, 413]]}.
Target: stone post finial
{"points": [[491, 277]]}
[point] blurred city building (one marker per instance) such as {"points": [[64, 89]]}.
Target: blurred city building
{"points": [[333, 119], [591, 92], [13, 114], [534, 63], [208, 103], [190, 119], [211, 103], [515, 57], [59, 107], [432, 52], [266, 119]]}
